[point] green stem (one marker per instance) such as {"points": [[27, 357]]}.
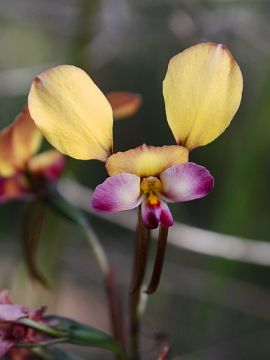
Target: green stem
{"points": [[66, 209], [109, 283], [43, 328], [41, 353], [42, 344], [96, 248], [73, 333], [135, 324]]}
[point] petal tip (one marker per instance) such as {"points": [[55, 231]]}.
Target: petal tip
{"points": [[37, 80], [208, 184]]}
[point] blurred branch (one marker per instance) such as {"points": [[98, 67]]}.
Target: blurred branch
{"points": [[181, 281], [236, 295], [187, 237], [84, 32]]}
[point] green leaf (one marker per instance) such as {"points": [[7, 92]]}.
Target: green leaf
{"points": [[59, 354], [84, 335], [52, 353]]}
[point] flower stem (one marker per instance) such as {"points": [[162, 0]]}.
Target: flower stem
{"points": [[141, 248], [63, 207], [42, 343], [135, 325], [109, 283], [97, 249]]}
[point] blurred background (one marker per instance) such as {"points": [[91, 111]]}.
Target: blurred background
{"points": [[211, 307]]}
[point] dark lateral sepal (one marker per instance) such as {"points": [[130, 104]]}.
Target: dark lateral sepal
{"points": [[161, 248], [31, 229], [141, 253]]}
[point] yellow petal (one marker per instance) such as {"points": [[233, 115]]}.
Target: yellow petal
{"points": [[50, 164], [7, 166], [146, 160], [202, 92], [123, 103], [45, 160], [26, 137], [18, 142], [72, 113]]}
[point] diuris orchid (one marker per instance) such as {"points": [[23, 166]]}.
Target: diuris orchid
{"points": [[22, 173], [202, 92]]}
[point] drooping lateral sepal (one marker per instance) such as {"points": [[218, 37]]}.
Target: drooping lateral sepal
{"points": [[142, 243], [158, 265]]}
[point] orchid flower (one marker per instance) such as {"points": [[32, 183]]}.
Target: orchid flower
{"points": [[21, 171], [202, 92], [12, 332]]}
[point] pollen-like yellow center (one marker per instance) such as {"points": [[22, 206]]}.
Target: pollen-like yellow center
{"points": [[150, 186]]}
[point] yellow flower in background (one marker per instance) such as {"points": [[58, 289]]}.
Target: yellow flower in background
{"points": [[19, 143]]}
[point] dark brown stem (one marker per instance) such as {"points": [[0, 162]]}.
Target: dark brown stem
{"points": [[32, 222], [141, 254], [161, 248], [140, 261]]}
